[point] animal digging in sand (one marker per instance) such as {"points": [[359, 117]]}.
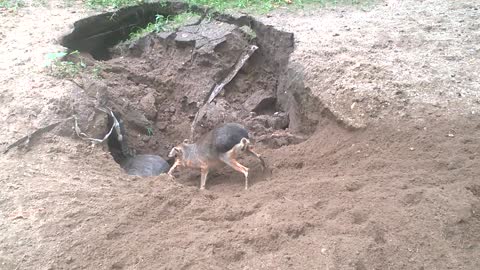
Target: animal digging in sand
{"points": [[221, 145]]}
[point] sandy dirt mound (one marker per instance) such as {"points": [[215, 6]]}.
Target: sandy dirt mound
{"points": [[402, 192], [385, 62], [157, 83]]}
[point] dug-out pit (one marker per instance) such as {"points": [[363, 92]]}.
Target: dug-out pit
{"points": [[156, 84]]}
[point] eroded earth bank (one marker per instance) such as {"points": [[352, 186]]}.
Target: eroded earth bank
{"points": [[368, 118]]}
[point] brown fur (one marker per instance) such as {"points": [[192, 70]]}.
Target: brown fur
{"points": [[203, 155]]}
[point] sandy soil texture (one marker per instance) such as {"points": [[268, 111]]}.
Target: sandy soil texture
{"points": [[400, 191]]}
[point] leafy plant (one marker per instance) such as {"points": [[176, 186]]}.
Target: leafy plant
{"points": [[52, 57], [111, 3], [149, 131], [161, 24], [179, 20], [259, 6], [157, 26], [63, 69], [249, 32], [162, 3], [255, 6], [97, 70]]}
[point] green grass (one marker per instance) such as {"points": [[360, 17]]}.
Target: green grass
{"points": [[97, 70], [249, 32], [260, 6], [254, 6], [180, 20], [111, 3], [157, 26], [264, 6], [12, 4], [325, 3], [161, 24]]}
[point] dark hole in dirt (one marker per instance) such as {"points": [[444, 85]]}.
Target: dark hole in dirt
{"points": [[118, 142], [97, 34], [157, 83]]}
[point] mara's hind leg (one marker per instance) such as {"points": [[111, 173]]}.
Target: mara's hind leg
{"points": [[203, 178], [229, 159]]}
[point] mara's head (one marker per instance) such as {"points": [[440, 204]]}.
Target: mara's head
{"points": [[177, 151], [244, 144]]}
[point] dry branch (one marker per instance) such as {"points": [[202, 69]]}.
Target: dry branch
{"points": [[115, 125], [240, 63], [26, 139], [219, 87]]}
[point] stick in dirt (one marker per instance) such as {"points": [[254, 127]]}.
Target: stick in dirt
{"points": [[26, 139], [219, 87], [115, 125]]}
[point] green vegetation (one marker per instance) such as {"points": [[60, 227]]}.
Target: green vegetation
{"points": [[325, 3], [162, 23], [64, 69], [249, 32], [149, 131], [111, 3], [157, 26], [97, 70], [260, 6], [254, 6], [180, 20], [263, 6], [12, 4]]}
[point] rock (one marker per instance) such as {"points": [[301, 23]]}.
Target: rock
{"points": [[262, 120], [217, 112], [279, 120], [96, 89], [147, 105], [137, 120], [162, 126], [260, 101], [136, 49], [186, 39], [205, 37], [69, 260], [279, 139]]}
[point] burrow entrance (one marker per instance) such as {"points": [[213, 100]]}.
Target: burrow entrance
{"points": [[157, 83]]}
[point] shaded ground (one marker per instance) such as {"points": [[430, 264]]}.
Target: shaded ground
{"points": [[401, 193]]}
